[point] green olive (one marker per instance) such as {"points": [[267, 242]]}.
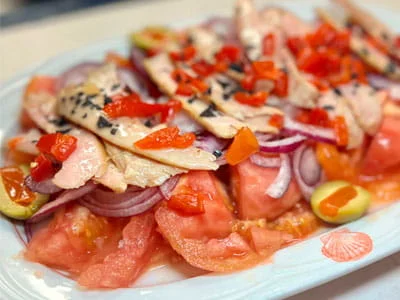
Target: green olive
{"points": [[351, 211], [154, 37]]}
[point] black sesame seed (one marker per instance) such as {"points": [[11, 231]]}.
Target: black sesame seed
{"points": [[64, 131], [107, 100], [63, 99], [80, 94], [209, 91], [59, 122], [103, 122], [148, 123], [73, 112], [390, 67], [364, 52], [84, 116], [337, 91], [236, 67], [223, 84], [113, 131], [209, 112], [191, 100], [226, 96], [328, 107], [115, 86], [217, 153], [78, 101], [71, 98]]}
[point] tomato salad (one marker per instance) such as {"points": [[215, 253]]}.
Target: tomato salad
{"points": [[215, 145]]}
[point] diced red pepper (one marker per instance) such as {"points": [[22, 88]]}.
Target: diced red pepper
{"points": [[188, 201], [281, 85], [319, 117], [184, 89], [268, 44], [186, 54], [202, 68], [296, 44], [320, 62], [248, 82], [276, 121], [341, 131], [39, 84], [199, 85], [43, 168], [60, 146], [220, 66], [256, 99], [132, 106], [265, 70], [228, 53], [166, 138]]}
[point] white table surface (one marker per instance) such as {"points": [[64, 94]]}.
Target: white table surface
{"points": [[31, 43]]}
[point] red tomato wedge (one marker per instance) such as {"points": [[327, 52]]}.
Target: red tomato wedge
{"points": [[74, 239], [206, 241], [121, 267], [249, 183], [384, 151]]}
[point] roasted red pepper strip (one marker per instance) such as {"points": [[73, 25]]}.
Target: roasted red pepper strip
{"points": [[265, 70], [166, 138], [202, 68], [269, 44], [340, 129], [186, 54], [61, 146], [228, 53], [132, 106], [276, 121], [256, 99], [43, 168]]}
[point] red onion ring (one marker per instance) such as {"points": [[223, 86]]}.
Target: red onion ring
{"points": [[264, 137], [62, 199], [121, 201], [282, 181], [264, 161], [123, 212], [299, 171], [316, 133], [137, 57], [186, 123], [76, 74], [225, 27], [44, 187], [381, 82], [210, 143], [28, 231], [285, 145], [168, 186], [128, 79]]}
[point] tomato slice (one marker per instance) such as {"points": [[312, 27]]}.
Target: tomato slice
{"points": [[206, 241], [40, 84], [249, 183], [121, 267], [74, 239], [384, 151]]}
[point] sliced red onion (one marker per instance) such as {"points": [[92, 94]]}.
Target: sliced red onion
{"points": [[121, 201], [265, 161], [282, 181], [316, 133], [285, 145], [303, 164], [128, 79], [224, 27], [185, 123], [381, 82], [310, 170], [137, 57], [264, 137], [44, 187], [210, 143], [76, 75], [109, 197], [28, 231], [168, 186], [124, 212], [62, 199], [221, 161]]}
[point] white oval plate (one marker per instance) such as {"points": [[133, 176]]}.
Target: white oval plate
{"points": [[291, 271]]}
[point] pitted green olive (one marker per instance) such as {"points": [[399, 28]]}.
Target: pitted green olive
{"points": [[340, 202]]}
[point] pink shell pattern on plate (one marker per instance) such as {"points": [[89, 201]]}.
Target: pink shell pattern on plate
{"points": [[343, 245]]}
